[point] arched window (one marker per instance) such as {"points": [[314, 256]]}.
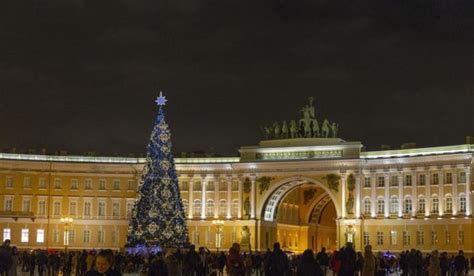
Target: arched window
{"points": [[380, 206], [197, 208], [394, 205], [210, 208], [462, 203], [235, 208], [186, 207], [223, 208], [183, 186], [367, 206], [435, 204], [197, 186], [210, 186], [421, 205], [449, 204], [408, 205]]}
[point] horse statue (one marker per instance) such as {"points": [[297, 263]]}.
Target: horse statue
{"points": [[334, 129], [293, 129], [284, 130], [306, 121], [276, 129], [325, 129], [315, 128]]}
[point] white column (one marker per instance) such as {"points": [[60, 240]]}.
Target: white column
{"points": [[252, 197], [203, 198], [455, 192], [229, 197], [387, 195], [358, 199], [441, 193], [191, 198], [427, 193], [240, 199], [400, 195], [414, 192], [217, 203], [343, 187], [373, 180], [468, 192]]}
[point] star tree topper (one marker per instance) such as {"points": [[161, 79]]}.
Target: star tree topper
{"points": [[161, 100]]}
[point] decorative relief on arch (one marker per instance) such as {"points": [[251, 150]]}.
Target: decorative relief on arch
{"points": [[308, 195], [264, 183], [333, 181]]}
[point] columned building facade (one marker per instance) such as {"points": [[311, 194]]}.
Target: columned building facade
{"points": [[302, 192]]}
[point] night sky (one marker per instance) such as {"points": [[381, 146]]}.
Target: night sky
{"points": [[82, 75]]}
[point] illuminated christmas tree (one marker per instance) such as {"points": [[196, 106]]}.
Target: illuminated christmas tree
{"points": [[158, 218]]}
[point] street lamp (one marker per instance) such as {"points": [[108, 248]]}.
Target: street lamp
{"points": [[67, 222], [219, 225]]}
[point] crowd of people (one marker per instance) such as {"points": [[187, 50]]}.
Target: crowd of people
{"points": [[202, 262]]}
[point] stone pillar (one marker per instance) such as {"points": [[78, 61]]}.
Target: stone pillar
{"points": [[468, 192], [441, 193], [240, 199], [229, 197], [217, 203], [203, 198], [357, 196], [400, 194], [414, 192], [343, 191], [373, 205], [252, 196], [455, 192], [191, 198], [387, 195], [427, 192]]}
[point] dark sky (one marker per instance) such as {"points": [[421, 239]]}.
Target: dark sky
{"points": [[82, 75]]}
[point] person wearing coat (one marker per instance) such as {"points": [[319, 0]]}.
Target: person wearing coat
{"points": [[369, 262], [172, 264], [434, 267]]}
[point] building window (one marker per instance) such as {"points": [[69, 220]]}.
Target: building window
{"points": [[234, 237], [447, 237], [393, 237], [8, 204], [235, 208], [449, 178], [422, 181], [183, 186], [74, 184], [27, 182], [367, 182], [421, 205], [100, 236], [461, 237], [197, 186], [366, 238], [380, 206], [116, 184], [129, 209], [435, 179], [210, 208], [394, 180], [434, 238], [462, 203], [381, 181], [462, 177], [7, 234], [235, 186], [87, 236], [379, 238], [408, 206], [197, 207], [394, 205], [40, 235], [25, 235], [210, 186], [57, 183], [449, 204], [88, 184], [26, 208], [408, 181], [72, 208], [87, 208], [57, 208], [115, 236], [367, 206], [196, 237], [406, 238], [130, 185], [42, 183], [186, 207], [223, 208], [116, 209], [9, 182], [72, 236], [42, 207], [222, 186], [420, 239], [101, 209], [435, 205], [102, 184], [55, 235]]}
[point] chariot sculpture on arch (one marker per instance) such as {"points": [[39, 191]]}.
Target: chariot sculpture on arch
{"points": [[305, 127]]}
